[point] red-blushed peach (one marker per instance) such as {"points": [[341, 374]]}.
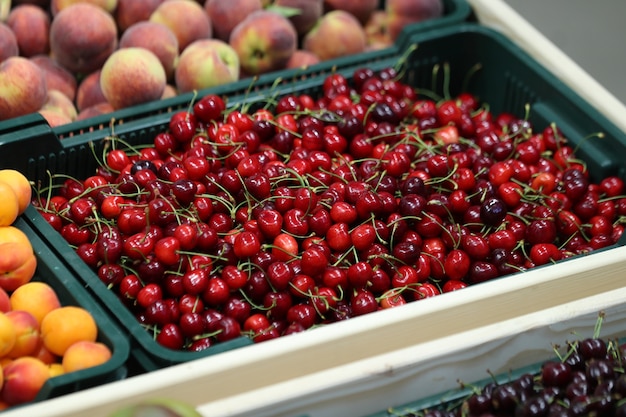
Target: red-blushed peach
{"points": [[23, 87], [57, 77], [88, 92], [361, 9], [59, 103], [27, 336], [95, 110], [376, 31], [5, 302], [308, 12], [85, 354], [206, 63], [169, 92], [54, 118], [31, 26], [8, 43], [337, 33], [132, 76], [186, 18], [404, 12], [302, 59], [264, 41], [82, 37], [157, 38], [225, 15], [23, 379], [44, 355], [17, 265], [57, 5], [129, 12]]}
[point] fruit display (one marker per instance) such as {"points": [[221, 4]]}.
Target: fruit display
{"points": [[586, 377], [75, 60], [267, 219], [41, 338]]}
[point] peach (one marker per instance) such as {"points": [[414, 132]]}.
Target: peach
{"points": [[264, 41], [132, 76], [22, 87], [7, 335], [376, 30], [169, 92], [36, 297], [129, 12], [225, 15], [8, 43], [20, 184], [5, 302], [54, 118], [85, 354], [95, 110], [27, 336], [57, 77], [361, 9], [206, 63], [302, 59], [186, 18], [404, 12], [23, 379], [88, 92], [308, 12], [60, 104], [31, 26], [57, 5], [17, 265], [82, 37], [157, 38], [337, 34], [44, 355]]}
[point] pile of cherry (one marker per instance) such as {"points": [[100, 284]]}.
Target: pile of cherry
{"points": [[268, 221], [586, 379]]}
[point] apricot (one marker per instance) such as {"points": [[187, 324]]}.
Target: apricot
{"points": [[37, 298], [20, 185], [10, 207], [64, 326], [85, 354], [7, 335]]}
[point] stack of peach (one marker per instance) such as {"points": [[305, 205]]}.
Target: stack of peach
{"points": [[75, 59], [39, 337]]}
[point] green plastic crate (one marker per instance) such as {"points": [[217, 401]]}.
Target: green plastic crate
{"points": [[455, 12], [480, 61], [71, 292]]}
